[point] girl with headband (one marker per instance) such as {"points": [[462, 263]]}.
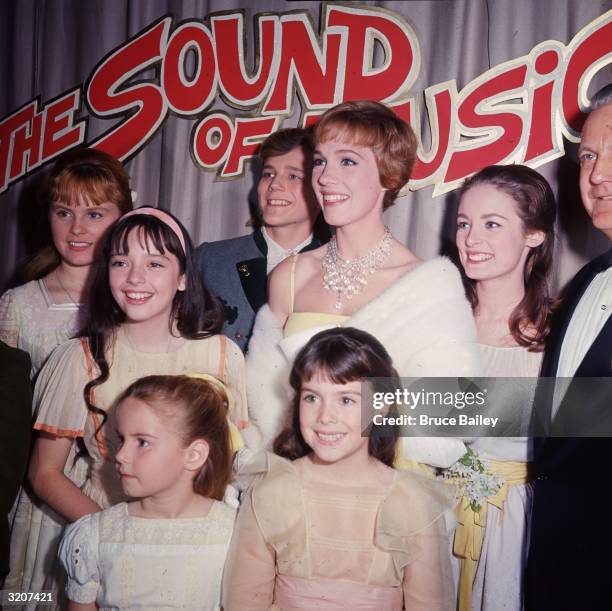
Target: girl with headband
{"points": [[149, 314]]}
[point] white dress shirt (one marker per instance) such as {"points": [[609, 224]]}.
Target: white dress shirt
{"points": [[276, 253], [588, 319]]}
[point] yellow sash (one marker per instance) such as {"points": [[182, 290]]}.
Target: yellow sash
{"points": [[469, 535]]}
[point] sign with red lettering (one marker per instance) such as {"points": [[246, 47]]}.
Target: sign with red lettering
{"points": [[516, 112]]}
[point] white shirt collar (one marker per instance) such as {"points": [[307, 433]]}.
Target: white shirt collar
{"points": [[276, 253]]}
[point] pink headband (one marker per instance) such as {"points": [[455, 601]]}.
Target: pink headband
{"points": [[164, 217]]}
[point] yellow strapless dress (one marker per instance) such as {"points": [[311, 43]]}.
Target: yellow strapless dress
{"points": [[302, 321]]}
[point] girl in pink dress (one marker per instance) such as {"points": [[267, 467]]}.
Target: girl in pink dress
{"points": [[331, 524]]}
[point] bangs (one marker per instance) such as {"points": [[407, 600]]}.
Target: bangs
{"points": [[152, 235], [336, 365], [341, 129], [71, 185]]}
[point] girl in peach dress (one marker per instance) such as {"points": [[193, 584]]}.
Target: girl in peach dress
{"points": [[331, 524]]}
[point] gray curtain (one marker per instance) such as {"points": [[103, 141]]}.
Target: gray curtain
{"points": [[49, 46]]}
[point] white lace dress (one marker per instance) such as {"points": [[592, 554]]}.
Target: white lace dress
{"points": [[125, 562], [31, 321]]}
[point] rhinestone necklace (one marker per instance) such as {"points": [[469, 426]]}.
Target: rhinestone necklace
{"points": [[347, 278]]}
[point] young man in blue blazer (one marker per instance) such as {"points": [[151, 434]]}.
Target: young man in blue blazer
{"points": [[236, 270]]}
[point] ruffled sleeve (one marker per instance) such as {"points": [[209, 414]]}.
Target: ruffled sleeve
{"points": [[60, 407], [250, 570], [414, 525], [9, 320], [279, 512], [78, 553]]}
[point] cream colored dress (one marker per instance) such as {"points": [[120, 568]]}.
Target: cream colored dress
{"points": [[498, 583], [123, 562], [61, 411], [300, 543], [31, 321]]}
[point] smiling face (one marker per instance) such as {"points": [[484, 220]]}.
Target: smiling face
{"points": [[330, 421], [151, 460], [595, 154], [77, 231], [346, 182], [490, 236], [144, 281], [284, 191]]}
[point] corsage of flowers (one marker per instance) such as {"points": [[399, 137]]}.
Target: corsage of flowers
{"points": [[474, 481]]}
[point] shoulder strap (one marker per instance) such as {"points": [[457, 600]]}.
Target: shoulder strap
{"points": [[294, 259], [222, 349]]}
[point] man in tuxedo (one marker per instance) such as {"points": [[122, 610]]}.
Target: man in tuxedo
{"points": [[236, 270], [15, 426], [570, 554]]}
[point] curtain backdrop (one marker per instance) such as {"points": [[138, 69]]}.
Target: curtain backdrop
{"points": [[49, 46]]}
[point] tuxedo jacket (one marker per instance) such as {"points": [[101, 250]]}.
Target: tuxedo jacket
{"points": [[554, 454], [15, 426], [235, 271], [571, 537]]}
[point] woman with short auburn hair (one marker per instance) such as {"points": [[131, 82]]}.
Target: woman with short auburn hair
{"points": [[364, 278]]}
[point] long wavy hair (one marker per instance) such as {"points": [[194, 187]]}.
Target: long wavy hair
{"points": [[340, 355], [81, 175], [529, 322], [196, 312]]}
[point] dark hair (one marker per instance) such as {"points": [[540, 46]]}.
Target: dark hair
{"points": [[284, 141], [341, 355], [197, 313], [194, 409], [537, 209], [79, 175], [373, 124]]}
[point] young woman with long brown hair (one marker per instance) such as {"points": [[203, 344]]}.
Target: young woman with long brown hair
{"points": [[505, 238]]}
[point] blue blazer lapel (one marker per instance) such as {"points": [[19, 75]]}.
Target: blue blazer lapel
{"points": [[253, 274]]}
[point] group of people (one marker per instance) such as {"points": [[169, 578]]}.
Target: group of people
{"points": [[169, 471]]}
